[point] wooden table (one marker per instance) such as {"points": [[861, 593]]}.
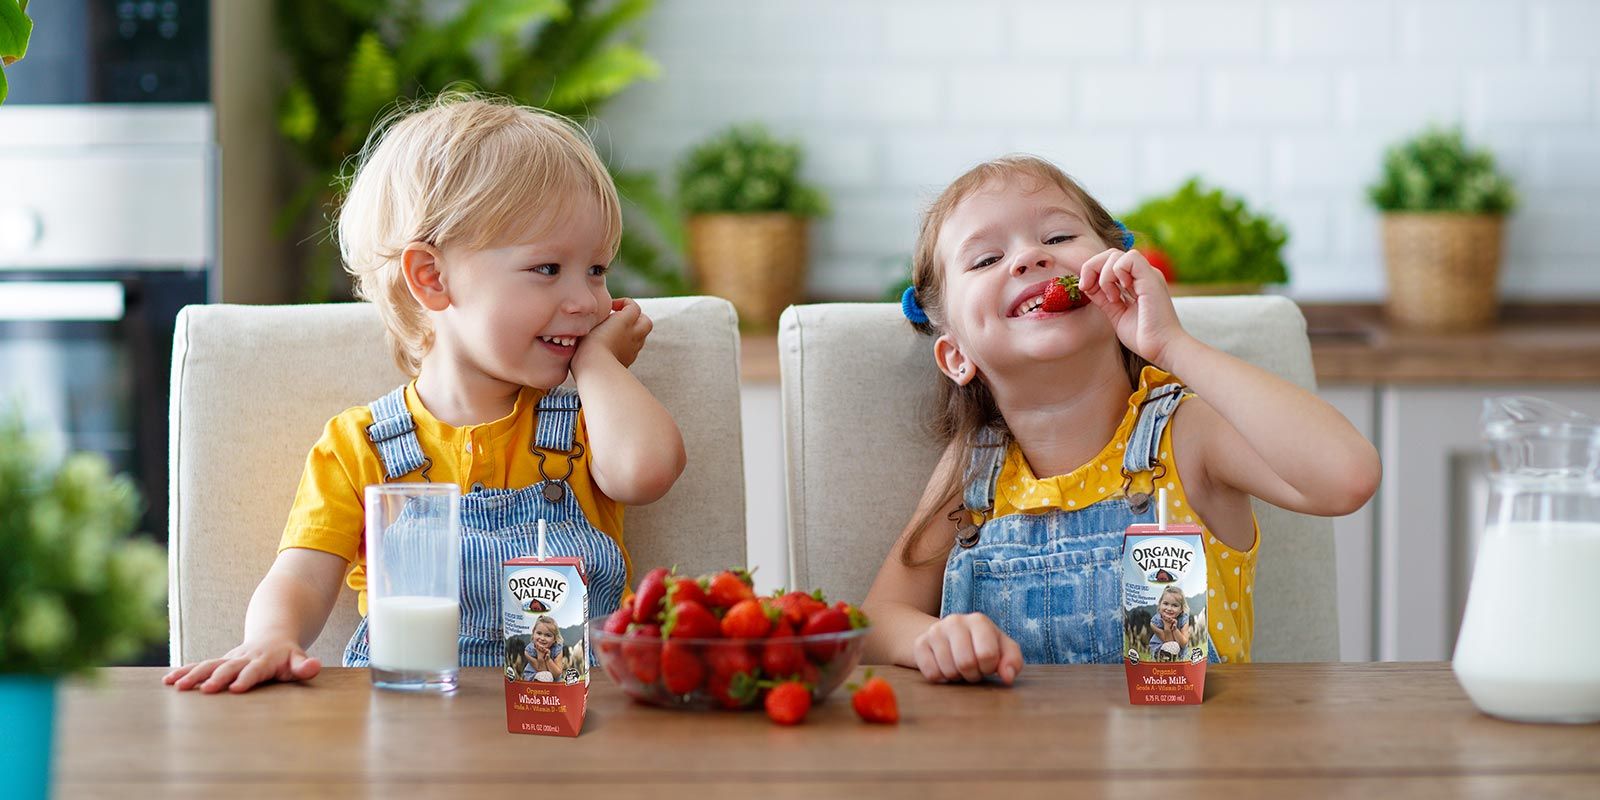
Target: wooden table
{"points": [[1359, 730]]}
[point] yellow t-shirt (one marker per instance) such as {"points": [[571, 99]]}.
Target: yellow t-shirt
{"points": [[327, 514], [1230, 573]]}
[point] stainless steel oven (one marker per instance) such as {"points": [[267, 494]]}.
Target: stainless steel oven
{"points": [[107, 228]]}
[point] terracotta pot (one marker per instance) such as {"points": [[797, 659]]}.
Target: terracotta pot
{"points": [[756, 261], [1443, 269]]}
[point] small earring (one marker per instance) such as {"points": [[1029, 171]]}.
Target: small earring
{"points": [[961, 371]]}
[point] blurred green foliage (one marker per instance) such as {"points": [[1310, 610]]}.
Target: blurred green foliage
{"points": [[75, 591]]}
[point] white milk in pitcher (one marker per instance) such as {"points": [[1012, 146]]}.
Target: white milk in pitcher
{"points": [[415, 633], [1530, 642]]}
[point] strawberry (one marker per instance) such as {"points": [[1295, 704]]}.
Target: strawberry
{"points": [[647, 605], [681, 670], [780, 656], [1063, 295], [874, 700], [788, 703], [691, 620], [828, 620], [729, 658], [733, 689], [733, 675], [617, 625], [728, 588], [642, 653], [680, 589], [746, 620], [1161, 262], [798, 606]]}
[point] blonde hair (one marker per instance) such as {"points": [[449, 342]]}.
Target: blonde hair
{"points": [[466, 169], [551, 621], [963, 411], [1183, 602]]}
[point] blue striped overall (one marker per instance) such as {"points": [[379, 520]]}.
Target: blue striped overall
{"points": [[501, 524]]}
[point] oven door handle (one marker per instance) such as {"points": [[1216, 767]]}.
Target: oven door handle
{"points": [[62, 301]]}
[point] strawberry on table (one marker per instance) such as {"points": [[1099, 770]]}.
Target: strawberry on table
{"points": [[1063, 294], [788, 703], [647, 601], [874, 701]]}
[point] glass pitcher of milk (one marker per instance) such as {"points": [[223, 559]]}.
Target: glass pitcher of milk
{"points": [[1529, 648]]}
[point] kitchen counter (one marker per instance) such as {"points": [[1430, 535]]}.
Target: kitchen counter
{"points": [[1353, 343]]}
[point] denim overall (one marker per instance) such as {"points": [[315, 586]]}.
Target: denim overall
{"points": [[500, 524], [1053, 581]]}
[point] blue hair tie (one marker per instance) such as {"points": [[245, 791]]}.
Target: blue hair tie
{"points": [[911, 308], [1127, 235]]}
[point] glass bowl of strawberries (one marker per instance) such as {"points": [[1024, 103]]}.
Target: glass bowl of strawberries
{"points": [[711, 643]]}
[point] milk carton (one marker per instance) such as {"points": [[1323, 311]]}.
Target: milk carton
{"points": [[1164, 640], [544, 603]]}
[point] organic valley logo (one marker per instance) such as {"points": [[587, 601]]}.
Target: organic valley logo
{"points": [[539, 591], [1163, 560]]}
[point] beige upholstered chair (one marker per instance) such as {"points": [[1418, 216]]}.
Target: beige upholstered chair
{"points": [[252, 387], [856, 384]]}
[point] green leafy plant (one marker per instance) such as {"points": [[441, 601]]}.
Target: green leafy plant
{"points": [[1437, 171], [745, 170], [15, 30], [1210, 236], [75, 591], [352, 59]]}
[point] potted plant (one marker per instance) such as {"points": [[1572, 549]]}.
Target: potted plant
{"points": [[749, 216], [1444, 207], [75, 591], [1208, 241]]}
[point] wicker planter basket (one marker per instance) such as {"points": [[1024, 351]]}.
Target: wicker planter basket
{"points": [[1443, 269], [756, 261]]}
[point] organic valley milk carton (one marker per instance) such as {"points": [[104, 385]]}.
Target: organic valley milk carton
{"points": [[544, 605], [1164, 641]]}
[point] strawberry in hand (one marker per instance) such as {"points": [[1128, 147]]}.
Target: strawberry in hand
{"points": [[1134, 298], [1063, 294]]}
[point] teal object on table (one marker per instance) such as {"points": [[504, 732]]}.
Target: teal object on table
{"points": [[27, 727]]}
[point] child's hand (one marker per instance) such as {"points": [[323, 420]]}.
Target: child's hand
{"points": [[246, 666], [621, 334], [967, 647], [1133, 295]]}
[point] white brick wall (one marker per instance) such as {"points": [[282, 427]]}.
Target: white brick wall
{"points": [[1289, 102]]}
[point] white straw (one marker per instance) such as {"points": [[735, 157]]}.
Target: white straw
{"points": [[542, 551], [1161, 509]]}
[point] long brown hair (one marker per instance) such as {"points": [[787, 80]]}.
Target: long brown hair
{"points": [[963, 411]]}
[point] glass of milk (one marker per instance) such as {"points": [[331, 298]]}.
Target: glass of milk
{"points": [[414, 585], [1529, 648]]}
